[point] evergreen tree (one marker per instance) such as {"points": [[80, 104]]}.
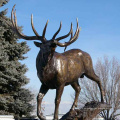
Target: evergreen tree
{"points": [[14, 97]]}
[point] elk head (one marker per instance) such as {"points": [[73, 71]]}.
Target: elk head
{"points": [[44, 44]]}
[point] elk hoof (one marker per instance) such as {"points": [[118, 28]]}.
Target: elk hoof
{"points": [[72, 112], [103, 100], [41, 117]]}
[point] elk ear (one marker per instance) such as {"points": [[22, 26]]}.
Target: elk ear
{"points": [[37, 44]]}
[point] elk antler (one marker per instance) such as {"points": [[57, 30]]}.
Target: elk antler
{"points": [[45, 29], [72, 39], [15, 27], [57, 31], [65, 36], [42, 38]]}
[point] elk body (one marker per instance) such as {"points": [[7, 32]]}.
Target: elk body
{"points": [[56, 70]]}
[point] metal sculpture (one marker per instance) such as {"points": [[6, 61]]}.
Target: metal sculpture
{"points": [[57, 70]]}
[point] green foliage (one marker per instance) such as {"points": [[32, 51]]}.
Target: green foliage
{"points": [[14, 98], [3, 2]]}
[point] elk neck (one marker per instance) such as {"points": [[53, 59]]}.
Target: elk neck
{"points": [[43, 59]]}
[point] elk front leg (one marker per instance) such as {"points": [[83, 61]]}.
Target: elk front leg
{"points": [[43, 90], [77, 89], [59, 92]]}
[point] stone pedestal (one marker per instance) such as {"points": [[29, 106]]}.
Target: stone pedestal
{"points": [[88, 112]]}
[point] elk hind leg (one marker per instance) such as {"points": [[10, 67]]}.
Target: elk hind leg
{"points": [[77, 89], [43, 90], [91, 75]]}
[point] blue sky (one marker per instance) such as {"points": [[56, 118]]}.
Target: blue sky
{"points": [[100, 34]]}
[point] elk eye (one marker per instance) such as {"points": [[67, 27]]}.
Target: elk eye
{"points": [[53, 45]]}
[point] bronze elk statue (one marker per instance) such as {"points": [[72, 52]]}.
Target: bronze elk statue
{"points": [[57, 70]]}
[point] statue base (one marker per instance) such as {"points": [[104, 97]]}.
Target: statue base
{"points": [[88, 112]]}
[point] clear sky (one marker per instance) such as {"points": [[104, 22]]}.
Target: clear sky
{"points": [[100, 34]]}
